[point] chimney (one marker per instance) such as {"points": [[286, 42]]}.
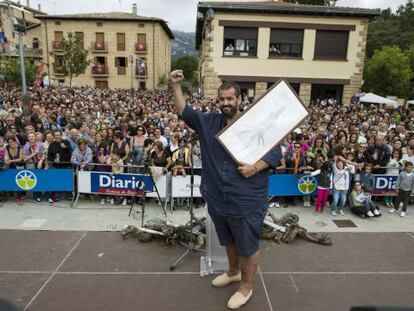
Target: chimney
{"points": [[39, 7], [28, 3], [134, 9]]}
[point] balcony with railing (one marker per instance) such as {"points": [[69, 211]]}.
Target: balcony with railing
{"points": [[140, 47], [57, 45], [141, 71], [100, 70], [58, 70], [121, 71], [99, 47]]}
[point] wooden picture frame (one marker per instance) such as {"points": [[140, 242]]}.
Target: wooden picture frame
{"points": [[264, 124]]}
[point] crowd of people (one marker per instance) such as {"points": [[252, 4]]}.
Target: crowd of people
{"points": [[106, 130]]}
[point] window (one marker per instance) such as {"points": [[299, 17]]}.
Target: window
{"points": [[100, 37], [79, 36], [57, 23], [331, 44], [286, 43], [121, 64], [59, 60], [120, 41], [59, 36], [141, 38], [141, 25], [99, 24], [239, 41]]}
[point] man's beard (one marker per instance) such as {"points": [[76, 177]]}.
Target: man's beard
{"points": [[229, 113]]}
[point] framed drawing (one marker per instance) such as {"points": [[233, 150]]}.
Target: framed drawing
{"points": [[264, 124]]}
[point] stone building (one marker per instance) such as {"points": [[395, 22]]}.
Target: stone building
{"points": [[9, 42], [320, 50], [125, 49]]}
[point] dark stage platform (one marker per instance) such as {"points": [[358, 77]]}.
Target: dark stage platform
{"points": [[98, 271]]}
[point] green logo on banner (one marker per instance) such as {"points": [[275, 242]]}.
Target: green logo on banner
{"points": [[307, 184], [26, 180]]}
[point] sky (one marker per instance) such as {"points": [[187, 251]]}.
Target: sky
{"points": [[180, 14]]}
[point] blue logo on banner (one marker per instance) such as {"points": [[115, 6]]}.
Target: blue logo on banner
{"points": [[26, 180], [36, 180], [121, 184]]}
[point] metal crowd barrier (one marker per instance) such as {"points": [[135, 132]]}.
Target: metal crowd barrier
{"points": [[169, 187]]}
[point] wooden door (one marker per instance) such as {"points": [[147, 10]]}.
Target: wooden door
{"points": [[100, 37], [120, 41], [101, 84]]}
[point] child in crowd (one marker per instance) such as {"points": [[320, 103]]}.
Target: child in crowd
{"points": [[405, 187], [310, 167], [340, 181], [324, 185], [393, 168], [361, 202], [366, 177], [117, 168]]}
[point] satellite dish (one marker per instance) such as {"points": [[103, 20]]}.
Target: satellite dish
{"points": [[209, 14]]}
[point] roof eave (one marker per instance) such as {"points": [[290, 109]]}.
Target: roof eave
{"points": [[150, 20], [331, 11]]}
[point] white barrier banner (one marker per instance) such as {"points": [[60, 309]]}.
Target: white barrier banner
{"points": [[181, 188], [161, 185]]}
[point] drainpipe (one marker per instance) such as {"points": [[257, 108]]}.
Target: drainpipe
{"points": [[153, 54]]}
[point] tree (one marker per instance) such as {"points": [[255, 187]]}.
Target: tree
{"points": [[410, 55], [10, 68], [388, 72], [314, 2], [188, 64], [392, 29], [73, 61]]}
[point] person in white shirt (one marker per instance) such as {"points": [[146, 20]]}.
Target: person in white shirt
{"points": [[340, 182]]}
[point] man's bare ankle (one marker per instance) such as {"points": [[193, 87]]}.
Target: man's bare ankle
{"points": [[233, 272], [245, 289]]}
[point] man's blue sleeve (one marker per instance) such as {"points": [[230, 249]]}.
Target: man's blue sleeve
{"points": [[273, 157], [191, 117]]}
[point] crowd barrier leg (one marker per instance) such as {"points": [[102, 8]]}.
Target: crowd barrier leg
{"points": [[75, 193]]}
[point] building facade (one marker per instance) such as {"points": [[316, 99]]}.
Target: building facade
{"points": [[125, 50], [23, 14], [319, 50]]}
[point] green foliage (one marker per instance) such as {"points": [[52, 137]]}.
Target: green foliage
{"points": [[188, 64], [163, 80], [388, 72], [10, 68], [314, 2], [410, 55], [73, 61], [392, 29]]}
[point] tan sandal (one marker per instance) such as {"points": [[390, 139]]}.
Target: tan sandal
{"points": [[224, 279]]}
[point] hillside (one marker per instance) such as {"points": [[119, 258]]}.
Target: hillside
{"points": [[183, 44]]}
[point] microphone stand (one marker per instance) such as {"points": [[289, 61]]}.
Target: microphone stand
{"points": [[190, 245]]}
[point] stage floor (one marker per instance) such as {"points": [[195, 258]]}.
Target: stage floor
{"points": [[98, 271]]}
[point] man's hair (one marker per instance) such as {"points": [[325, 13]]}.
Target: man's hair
{"points": [[230, 85], [408, 163]]}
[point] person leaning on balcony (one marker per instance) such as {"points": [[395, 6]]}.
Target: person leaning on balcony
{"points": [[230, 48], [274, 50]]}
